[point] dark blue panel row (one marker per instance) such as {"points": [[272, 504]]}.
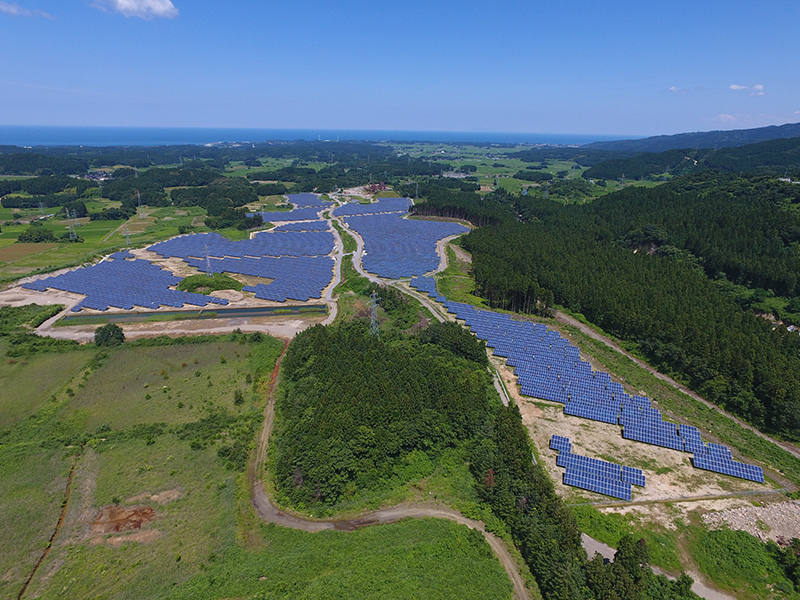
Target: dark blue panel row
{"points": [[607, 487], [121, 283]]}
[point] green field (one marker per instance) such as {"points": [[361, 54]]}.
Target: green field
{"points": [[174, 453], [29, 382], [191, 376]]}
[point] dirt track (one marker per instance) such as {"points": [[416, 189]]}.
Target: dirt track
{"points": [[271, 514]]}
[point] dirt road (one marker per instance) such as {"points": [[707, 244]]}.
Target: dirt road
{"points": [[566, 319], [271, 514]]}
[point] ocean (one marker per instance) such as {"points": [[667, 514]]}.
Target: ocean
{"points": [[20, 135]]}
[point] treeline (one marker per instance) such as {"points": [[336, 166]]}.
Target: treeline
{"points": [[44, 185], [647, 164], [675, 314], [583, 155], [354, 408], [222, 200], [128, 184], [34, 163], [702, 139], [15, 160]]}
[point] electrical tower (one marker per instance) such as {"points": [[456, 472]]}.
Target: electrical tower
{"points": [[208, 262], [139, 196], [72, 235], [374, 328], [41, 208], [127, 236]]}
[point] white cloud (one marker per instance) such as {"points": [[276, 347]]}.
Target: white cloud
{"points": [[145, 9], [15, 10], [723, 118], [755, 90], [677, 90]]}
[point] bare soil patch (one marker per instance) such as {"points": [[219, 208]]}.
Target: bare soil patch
{"points": [[779, 522], [164, 497], [116, 519], [230, 295]]}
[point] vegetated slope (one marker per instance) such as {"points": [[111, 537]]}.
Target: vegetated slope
{"points": [[703, 139], [747, 228], [355, 406], [675, 314], [776, 156]]}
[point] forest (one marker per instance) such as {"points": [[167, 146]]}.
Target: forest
{"points": [[775, 156]]}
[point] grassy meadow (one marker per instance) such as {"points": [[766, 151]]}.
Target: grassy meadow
{"points": [[165, 428]]}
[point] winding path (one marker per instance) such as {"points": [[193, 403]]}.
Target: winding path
{"points": [[271, 514]]}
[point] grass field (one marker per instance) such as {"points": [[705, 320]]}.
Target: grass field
{"points": [[183, 383], [427, 558], [204, 539], [28, 383], [32, 484]]}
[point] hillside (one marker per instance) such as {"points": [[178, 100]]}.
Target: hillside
{"points": [[775, 156], [701, 139]]}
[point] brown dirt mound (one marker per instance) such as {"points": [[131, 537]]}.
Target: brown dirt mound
{"points": [[113, 518]]}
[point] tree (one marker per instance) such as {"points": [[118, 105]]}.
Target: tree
{"points": [[109, 335]]}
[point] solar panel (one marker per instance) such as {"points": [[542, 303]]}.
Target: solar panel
{"points": [[123, 284], [607, 487]]}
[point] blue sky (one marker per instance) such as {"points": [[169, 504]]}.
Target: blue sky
{"points": [[591, 67]]}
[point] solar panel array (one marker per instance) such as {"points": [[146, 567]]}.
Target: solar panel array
{"points": [[308, 208], [297, 214], [307, 200], [594, 474], [265, 243], [303, 226], [121, 283], [396, 247], [427, 285], [384, 205], [718, 459], [295, 277], [559, 443], [549, 367], [607, 487]]}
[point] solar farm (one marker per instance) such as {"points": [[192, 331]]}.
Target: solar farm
{"points": [[395, 247], [295, 259], [547, 366], [123, 283]]}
